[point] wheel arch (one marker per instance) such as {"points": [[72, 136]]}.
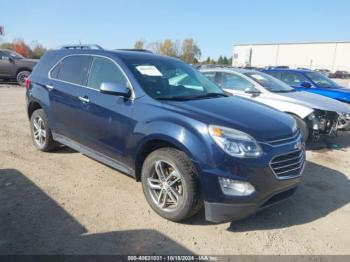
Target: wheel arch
{"points": [[23, 68], [32, 106], [153, 143]]}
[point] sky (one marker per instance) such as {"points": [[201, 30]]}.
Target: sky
{"points": [[215, 25]]}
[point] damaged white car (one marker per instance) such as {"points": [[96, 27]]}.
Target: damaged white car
{"points": [[315, 115]]}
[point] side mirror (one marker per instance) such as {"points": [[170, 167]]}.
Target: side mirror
{"points": [[115, 89], [306, 84], [252, 91]]}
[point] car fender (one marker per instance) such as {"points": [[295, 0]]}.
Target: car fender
{"points": [[194, 140], [40, 96]]}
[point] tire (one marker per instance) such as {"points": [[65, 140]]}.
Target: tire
{"points": [[302, 125], [21, 76], [38, 125], [176, 166]]}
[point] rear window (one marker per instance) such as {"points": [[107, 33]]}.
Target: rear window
{"points": [[72, 69]]}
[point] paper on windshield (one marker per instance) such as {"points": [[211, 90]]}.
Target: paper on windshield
{"points": [[148, 70]]}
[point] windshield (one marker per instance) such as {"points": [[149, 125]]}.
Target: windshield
{"points": [[164, 78], [12, 54], [321, 80], [269, 82]]}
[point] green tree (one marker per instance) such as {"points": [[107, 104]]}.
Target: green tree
{"points": [[190, 52], [208, 60], [220, 60], [230, 61], [7, 45], [225, 60], [139, 44], [37, 50], [167, 47]]}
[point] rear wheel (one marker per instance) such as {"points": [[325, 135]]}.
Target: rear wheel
{"points": [[170, 184], [41, 132], [302, 125], [21, 77]]}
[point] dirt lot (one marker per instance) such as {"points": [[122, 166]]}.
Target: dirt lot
{"points": [[64, 202]]}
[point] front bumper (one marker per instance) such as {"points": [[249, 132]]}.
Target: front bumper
{"points": [[266, 174], [223, 212]]}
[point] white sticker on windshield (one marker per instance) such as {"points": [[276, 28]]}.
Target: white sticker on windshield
{"points": [[149, 70], [258, 77]]}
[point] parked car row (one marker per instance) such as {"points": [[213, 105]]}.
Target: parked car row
{"points": [[213, 138], [315, 114]]}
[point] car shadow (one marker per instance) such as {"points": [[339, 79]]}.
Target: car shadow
{"points": [[322, 191], [63, 150], [328, 143], [33, 223]]}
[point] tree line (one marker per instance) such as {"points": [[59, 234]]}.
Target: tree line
{"points": [[187, 50], [35, 50]]}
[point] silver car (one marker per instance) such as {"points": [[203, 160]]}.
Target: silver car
{"points": [[314, 114]]}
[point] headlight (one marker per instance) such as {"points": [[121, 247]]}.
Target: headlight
{"points": [[234, 142], [235, 188]]}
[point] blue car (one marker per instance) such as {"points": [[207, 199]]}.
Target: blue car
{"points": [[311, 81], [163, 123]]}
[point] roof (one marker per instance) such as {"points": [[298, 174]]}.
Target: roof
{"points": [[119, 53]]}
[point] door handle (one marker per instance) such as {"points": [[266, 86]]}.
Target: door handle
{"points": [[49, 87], [84, 99]]}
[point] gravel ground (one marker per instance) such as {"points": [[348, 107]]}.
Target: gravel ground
{"points": [[65, 203]]}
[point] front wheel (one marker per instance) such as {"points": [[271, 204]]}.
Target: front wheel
{"points": [[170, 184]]}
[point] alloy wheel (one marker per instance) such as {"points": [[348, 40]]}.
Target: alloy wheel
{"points": [[165, 186], [39, 131]]}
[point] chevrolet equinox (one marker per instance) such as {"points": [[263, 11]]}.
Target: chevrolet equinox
{"points": [[162, 122]]}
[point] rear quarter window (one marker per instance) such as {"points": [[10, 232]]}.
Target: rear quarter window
{"points": [[72, 69], [54, 72]]}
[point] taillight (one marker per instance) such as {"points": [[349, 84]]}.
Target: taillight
{"points": [[27, 83]]}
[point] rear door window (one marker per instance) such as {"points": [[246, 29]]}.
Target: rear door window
{"points": [[73, 69], [104, 70]]}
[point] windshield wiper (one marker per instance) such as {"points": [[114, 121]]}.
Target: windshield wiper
{"points": [[183, 98], [175, 98], [209, 95]]}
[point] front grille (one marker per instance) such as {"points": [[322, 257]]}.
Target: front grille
{"points": [[288, 165]]}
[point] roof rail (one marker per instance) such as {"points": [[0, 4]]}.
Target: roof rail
{"points": [[135, 49], [80, 46]]}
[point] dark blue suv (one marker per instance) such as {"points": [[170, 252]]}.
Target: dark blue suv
{"points": [[160, 121]]}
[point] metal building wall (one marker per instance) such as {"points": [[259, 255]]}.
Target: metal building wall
{"points": [[329, 55]]}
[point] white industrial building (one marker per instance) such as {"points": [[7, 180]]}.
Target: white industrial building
{"points": [[314, 55]]}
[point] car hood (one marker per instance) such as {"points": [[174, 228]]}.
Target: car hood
{"points": [[313, 101], [261, 122], [340, 89]]}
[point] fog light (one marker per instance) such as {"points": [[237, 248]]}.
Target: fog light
{"points": [[235, 187]]}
